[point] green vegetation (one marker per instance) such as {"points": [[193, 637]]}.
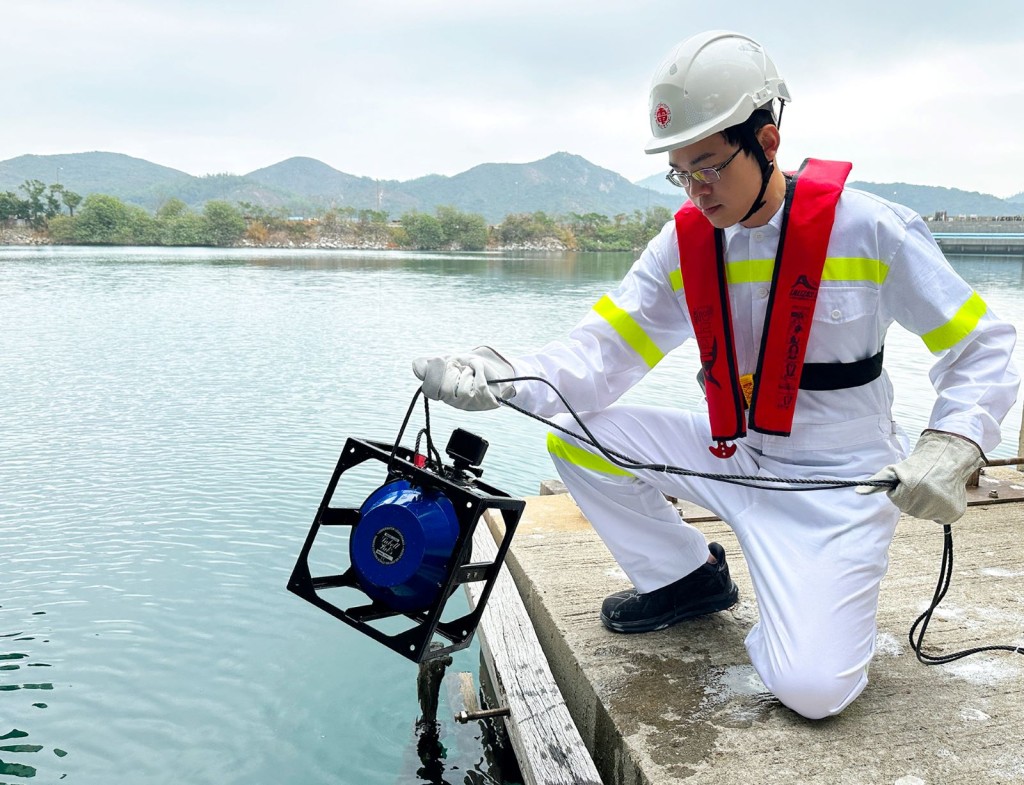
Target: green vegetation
{"points": [[106, 220], [596, 232], [40, 205], [101, 219], [449, 228]]}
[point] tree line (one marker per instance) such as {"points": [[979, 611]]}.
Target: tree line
{"points": [[99, 219], [39, 204]]}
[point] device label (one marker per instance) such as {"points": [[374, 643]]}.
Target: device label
{"points": [[388, 545]]}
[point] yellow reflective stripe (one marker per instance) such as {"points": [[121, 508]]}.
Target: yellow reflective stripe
{"points": [[577, 456], [676, 279], [746, 271], [749, 271], [837, 268], [852, 268], [631, 332], [962, 323]]}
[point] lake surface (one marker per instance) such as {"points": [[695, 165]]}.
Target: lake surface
{"points": [[169, 421]]}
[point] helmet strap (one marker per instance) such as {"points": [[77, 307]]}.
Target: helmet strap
{"points": [[751, 143], [759, 201]]}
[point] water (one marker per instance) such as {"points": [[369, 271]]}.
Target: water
{"points": [[168, 423]]}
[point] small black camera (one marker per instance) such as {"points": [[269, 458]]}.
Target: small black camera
{"points": [[466, 449]]}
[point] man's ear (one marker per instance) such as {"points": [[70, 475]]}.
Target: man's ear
{"points": [[769, 139]]}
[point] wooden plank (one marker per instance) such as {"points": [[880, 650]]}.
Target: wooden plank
{"points": [[546, 742]]}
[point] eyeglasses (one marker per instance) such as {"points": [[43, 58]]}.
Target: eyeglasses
{"points": [[710, 175]]}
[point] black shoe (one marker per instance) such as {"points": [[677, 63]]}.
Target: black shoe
{"points": [[705, 590]]}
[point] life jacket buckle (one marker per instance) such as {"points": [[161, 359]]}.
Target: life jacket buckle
{"points": [[722, 449]]}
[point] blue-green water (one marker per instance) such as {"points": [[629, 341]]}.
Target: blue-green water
{"points": [[168, 423]]}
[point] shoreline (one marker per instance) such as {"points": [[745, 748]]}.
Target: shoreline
{"points": [[983, 230], [27, 237]]}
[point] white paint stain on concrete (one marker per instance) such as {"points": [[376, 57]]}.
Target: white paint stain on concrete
{"points": [[984, 672], [973, 715], [888, 645], [1001, 572]]}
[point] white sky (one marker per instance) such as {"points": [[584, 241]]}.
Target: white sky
{"points": [[926, 93]]}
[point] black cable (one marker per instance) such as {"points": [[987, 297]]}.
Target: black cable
{"points": [[431, 450], [626, 462], [945, 574]]}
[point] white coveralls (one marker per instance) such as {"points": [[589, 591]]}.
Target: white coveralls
{"points": [[816, 558]]}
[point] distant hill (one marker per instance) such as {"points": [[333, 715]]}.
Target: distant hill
{"points": [[560, 184], [657, 182], [929, 199], [313, 184], [133, 180], [85, 173]]}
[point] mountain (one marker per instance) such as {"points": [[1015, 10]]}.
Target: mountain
{"points": [[314, 184], [657, 182], [929, 199], [85, 173], [560, 184], [133, 180]]}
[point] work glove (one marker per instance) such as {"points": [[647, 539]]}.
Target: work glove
{"points": [[933, 479], [464, 380]]}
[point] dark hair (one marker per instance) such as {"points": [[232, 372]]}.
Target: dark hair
{"points": [[744, 134]]}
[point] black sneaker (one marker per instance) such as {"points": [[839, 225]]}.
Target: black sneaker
{"points": [[705, 590]]}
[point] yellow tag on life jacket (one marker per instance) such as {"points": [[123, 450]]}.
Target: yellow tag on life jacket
{"points": [[747, 385]]}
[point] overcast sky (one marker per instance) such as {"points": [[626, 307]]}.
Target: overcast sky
{"points": [[926, 93]]}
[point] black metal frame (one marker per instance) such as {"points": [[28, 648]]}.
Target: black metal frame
{"points": [[471, 499]]}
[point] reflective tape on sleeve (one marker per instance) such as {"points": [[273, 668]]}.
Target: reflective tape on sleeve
{"points": [[961, 325], [630, 332]]}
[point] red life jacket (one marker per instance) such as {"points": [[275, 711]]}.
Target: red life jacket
{"points": [[808, 215]]}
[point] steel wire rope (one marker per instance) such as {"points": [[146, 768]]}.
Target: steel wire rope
{"points": [[626, 462]]}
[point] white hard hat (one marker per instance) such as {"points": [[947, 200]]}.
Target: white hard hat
{"points": [[709, 82]]}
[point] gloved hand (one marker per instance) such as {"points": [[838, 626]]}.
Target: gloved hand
{"points": [[933, 479], [462, 380]]}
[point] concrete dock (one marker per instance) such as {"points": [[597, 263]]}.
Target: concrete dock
{"points": [[983, 244], [684, 705]]}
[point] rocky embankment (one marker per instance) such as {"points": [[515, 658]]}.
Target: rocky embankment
{"points": [[20, 236], [348, 244], [330, 242]]}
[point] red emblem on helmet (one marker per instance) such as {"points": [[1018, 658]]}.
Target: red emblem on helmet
{"points": [[662, 115]]}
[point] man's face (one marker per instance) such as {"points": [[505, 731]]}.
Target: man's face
{"points": [[724, 202]]}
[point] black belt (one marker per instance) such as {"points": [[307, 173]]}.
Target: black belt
{"points": [[834, 376], [839, 376]]}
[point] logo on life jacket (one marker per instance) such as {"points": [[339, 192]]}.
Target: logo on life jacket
{"points": [[803, 289]]}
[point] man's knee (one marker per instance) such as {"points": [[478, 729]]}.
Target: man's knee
{"points": [[814, 692]]}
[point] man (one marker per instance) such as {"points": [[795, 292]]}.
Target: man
{"points": [[788, 285]]}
